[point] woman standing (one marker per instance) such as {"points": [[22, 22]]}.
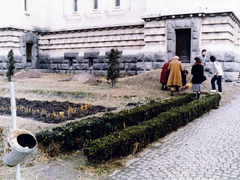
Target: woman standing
{"points": [[175, 79], [197, 72], [164, 75]]}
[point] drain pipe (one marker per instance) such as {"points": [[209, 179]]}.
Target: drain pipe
{"points": [[14, 122]]}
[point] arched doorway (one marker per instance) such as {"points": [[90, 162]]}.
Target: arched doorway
{"points": [[29, 50], [183, 44]]}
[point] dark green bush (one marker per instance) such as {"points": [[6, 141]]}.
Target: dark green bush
{"points": [[10, 65], [122, 143], [75, 135]]}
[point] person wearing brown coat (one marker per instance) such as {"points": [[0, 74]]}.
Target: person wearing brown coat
{"points": [[175, 79], [164, 75]]}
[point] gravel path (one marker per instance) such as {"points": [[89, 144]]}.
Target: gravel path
{"points": [[207, 148]]}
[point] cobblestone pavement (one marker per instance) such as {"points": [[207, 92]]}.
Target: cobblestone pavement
{"points": [[207, 148]]}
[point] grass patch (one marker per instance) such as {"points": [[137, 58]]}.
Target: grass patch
{"points": [[62, 94]]}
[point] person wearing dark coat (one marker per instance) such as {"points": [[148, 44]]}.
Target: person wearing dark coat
{"points": [[197, 72], [164, 75]]}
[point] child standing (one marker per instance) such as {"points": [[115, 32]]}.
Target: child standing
{"points": [[197, 72], [218, 75]]}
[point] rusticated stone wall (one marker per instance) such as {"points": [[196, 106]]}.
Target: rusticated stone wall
{"points": [[139, 63]]}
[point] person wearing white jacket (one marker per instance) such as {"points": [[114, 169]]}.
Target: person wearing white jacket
{"points": [[218, 75]]}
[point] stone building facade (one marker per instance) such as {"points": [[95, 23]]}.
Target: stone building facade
{"points": [[77, 35]]}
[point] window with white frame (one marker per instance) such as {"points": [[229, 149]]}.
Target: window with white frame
{"points": [[117, 3], [75, 5], [95, 4]]}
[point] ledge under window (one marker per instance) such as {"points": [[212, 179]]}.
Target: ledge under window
{"points": [[117, 9], [75, 13], [95, 11], [27, 13]]}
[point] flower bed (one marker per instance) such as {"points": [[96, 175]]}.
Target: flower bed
{"points": [[122, 143], [50, 112], [75, 135]]}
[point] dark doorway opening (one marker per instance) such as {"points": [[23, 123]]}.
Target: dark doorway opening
{"points": [[29, 53], [183, 44], [90, 62], [70, 62]]}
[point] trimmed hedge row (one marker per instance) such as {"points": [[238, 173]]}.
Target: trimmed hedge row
{"points": [[122, 143], [75, 135]]}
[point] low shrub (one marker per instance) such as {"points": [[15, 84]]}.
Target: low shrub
{"points": [[122, 143], [75, 135]]}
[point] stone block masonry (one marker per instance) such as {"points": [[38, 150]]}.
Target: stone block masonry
{"points": [[229, 62], [99, 64]]}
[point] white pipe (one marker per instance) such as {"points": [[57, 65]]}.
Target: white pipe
{"points": [[13, 105], [14, 121], [17, 172]]}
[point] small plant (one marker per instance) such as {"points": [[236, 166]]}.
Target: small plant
{"points": [[113, 71], [10, 65]]}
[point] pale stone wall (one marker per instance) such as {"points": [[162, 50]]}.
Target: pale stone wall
{"points": [[107, 14], [9, 39]]}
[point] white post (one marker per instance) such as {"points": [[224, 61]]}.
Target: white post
{"points": [[13, 105], [14, 121], [17, 172]]}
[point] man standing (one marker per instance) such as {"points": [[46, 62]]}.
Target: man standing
{"points": [[203, 58]]}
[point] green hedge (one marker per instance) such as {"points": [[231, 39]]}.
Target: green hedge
{"points": [[75, 135], [122, 143]]}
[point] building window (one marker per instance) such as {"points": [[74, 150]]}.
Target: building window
{"points": [[95, 4], [117, 3], [75, 5], [25, 5]]}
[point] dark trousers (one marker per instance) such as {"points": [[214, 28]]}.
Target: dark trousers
{"points": [[219, 83]]}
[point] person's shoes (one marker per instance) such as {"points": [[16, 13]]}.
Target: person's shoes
{"points": [[198, 95], [213, 91], [162, 87], [172, 93], [220, 93]]}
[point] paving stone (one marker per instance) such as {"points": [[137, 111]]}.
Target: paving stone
{"points": [[206, 148]]}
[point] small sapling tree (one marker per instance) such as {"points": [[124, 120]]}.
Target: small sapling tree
{"points": [[10, 65], [113, 71]]}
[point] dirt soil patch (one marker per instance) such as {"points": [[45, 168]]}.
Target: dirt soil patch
{"points": [[123, 75], [28, 74], [87, 78]]}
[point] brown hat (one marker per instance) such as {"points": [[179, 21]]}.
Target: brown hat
{"points": [[175, 57]]}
